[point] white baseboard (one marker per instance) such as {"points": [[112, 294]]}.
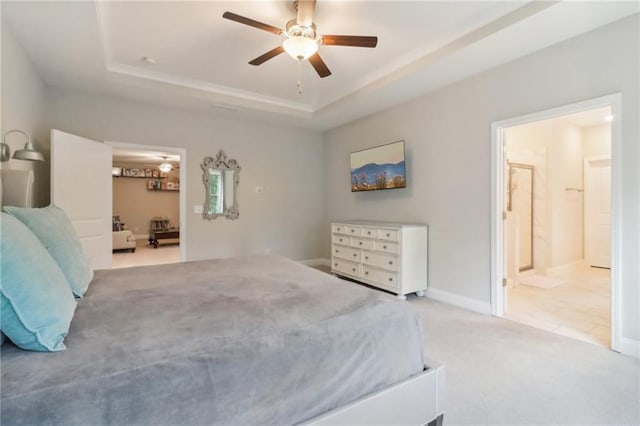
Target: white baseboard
{"points": [[460, 301], [576, 266], [316, 262], [630, 347]]}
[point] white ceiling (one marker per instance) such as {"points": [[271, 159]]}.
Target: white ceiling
{"points": [[134, 156], [201, 59], [589, 118]]}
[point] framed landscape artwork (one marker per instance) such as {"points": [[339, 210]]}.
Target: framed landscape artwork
{"points": [[380, 167]]}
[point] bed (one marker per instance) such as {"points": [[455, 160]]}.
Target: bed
{"points": [[260, 340], [255, 340]]}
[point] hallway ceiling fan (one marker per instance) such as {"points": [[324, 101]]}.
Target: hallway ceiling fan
{"points": [[301, 40]]}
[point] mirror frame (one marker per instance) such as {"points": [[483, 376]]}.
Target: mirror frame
{"points": [[220, 162]]}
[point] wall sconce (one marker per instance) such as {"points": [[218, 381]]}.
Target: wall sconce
{"points": [[27, 153]]}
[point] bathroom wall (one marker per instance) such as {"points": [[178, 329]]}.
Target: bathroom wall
{"points": [[527, 144], [565, 171], [596, 141], [555, 149]]}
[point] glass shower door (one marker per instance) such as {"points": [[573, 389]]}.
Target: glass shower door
{"points": [[521, 204]]}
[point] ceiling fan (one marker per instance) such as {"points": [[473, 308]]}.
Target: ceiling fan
{"points": [[301, 39]]}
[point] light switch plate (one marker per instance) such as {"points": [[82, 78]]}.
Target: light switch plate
{"points": [[198, 209]]}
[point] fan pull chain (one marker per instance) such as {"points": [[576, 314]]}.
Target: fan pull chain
{"points": [[299, 84]]}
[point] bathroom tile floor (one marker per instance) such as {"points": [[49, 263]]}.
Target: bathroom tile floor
{"points": [[578, 308]]}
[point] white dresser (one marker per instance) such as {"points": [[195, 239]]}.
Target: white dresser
{"points": [[390, 256]]}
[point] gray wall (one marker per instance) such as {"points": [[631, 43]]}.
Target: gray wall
{"points": [[23, 109], [448, 141], [286, 217]]}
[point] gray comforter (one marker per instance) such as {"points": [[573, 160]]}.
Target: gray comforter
{"points": [[259, 340]]}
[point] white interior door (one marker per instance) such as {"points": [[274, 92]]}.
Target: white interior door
{"points": [[81, 186], [597, 212]]}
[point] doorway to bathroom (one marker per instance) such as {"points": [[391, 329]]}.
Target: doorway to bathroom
{"points": [[556, 224], [558, 191]]}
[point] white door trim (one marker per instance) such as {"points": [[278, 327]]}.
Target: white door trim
{"points": [[497, 200], [182, 152]]}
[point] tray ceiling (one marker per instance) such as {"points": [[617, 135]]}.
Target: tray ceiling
{"points": [[199, 60]]}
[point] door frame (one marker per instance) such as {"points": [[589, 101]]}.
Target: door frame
{"points": [[182, 152], [498, 158]]}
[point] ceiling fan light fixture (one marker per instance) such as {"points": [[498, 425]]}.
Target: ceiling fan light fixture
{"points": [[300, 47], [165, 167]]}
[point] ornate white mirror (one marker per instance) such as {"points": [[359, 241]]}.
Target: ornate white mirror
{"points": [[221, 176]]}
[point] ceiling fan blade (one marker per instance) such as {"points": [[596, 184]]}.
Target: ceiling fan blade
{"points": [[349, 40], [306, 9], [319, 65], [270, 54], [252, 23]]}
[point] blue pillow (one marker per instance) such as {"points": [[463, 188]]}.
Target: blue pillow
{"points": [[37, 304], [53, 227]]}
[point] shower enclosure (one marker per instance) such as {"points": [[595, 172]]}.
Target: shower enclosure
{"points": [[520, 203]]}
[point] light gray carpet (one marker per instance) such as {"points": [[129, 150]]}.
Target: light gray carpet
{"points": [[502, 372]]}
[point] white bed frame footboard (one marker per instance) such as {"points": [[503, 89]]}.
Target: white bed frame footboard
{"points": [[418, 400]]}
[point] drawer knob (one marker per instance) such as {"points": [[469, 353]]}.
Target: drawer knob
{"points": [[355, 254], [388, 235], [390, 263], [335, 264], [360, 243], [384, 247], [390, 279], [340, 239], [366, 258], [353, 230], [366, 272], [338, 229], [369, 233], [353, 269], [337, 251]]}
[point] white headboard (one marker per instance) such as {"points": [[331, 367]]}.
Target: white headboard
{"points": [[16, 188]]}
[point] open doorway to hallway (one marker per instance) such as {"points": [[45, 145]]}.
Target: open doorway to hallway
{"points": [[146, 207], [557, 224]]}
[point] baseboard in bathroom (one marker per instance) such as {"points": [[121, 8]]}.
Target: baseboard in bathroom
{"points": [[567, 268]]}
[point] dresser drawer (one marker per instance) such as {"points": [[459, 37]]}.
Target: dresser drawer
{"points": [[380, 261], [385, 278], [341, 239], [369, 232], [346, 253], [354, 231], [388, 234], [362, 243], [386, 246], [345, 267], [338, 228]]}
